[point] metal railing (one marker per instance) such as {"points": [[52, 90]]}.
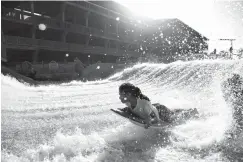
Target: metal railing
{"points": [[57, 24], [13, 41], [99, 9]]}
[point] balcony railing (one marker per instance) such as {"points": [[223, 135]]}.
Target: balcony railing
{"points": [[57, 24], [100, 10], [16, 15], [13, 41]]}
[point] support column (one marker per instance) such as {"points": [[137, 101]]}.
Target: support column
{"points": [[87, 40], [127, 47], [117, 46], [105, 29], [21, 13], [106, 45], [33, 31], [35, 56], [63, 9], [74, 19], [63, 15], [32, 8], [64, 35], [87, 19], [3, 53], [117, 28], [105, 26], [3, 48]]}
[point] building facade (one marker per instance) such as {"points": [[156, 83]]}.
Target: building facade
{"points": [[42, 31]]}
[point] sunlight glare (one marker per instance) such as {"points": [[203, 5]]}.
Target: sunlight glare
{"points": [[159, 9]]}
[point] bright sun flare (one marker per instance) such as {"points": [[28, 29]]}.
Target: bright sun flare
{"points": [[199, 14], [158, 9]]}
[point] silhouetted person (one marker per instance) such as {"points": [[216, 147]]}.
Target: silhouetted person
{"points": [[78, 67], [231, 51], [32, 73]]}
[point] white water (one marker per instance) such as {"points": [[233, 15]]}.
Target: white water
{"points": [[72, 121]]}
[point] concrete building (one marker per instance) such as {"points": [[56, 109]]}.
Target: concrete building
{"points": [[92, 31], [79, 28]]}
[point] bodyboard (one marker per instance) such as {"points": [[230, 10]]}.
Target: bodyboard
{"points": [[128, 116], [138, 121]]}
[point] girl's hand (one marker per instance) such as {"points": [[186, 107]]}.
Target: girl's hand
{"points": [[125, 109], [147, 123], [146, 126]]}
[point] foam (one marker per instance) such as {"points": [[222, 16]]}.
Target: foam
{"points": [[28, 111]]}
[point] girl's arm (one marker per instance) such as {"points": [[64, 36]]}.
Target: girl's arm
{"points": [[126, 109], [148, 109]]}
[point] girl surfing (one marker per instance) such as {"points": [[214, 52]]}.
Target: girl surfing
{"points": [[139, 104]]}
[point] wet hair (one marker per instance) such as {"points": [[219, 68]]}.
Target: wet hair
{"points": [[135, 91]]}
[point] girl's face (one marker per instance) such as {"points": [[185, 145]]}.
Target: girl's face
{"points": [[124, 97]]}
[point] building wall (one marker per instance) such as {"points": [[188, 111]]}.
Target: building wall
{"points": [[67, 31], [81, 29]]}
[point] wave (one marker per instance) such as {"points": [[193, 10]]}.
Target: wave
{"points": [[72, 121]]}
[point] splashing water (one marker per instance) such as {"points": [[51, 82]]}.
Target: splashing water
{"points": [[72, 121]]}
